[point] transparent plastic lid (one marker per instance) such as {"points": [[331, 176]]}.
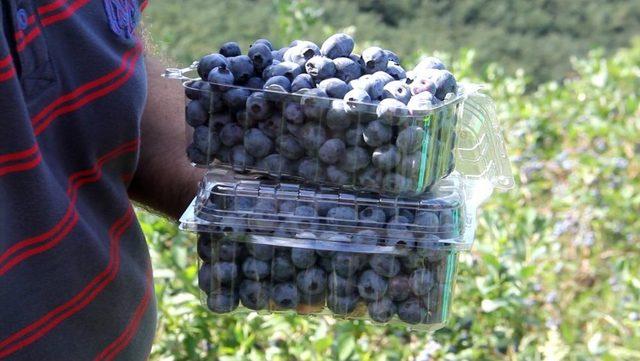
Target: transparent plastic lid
{"points": [[325, 218]]}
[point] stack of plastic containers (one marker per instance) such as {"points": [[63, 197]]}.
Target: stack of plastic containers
{"points": [[288, 222]]}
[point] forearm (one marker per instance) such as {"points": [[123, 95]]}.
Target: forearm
{"points": [[164, 180]]}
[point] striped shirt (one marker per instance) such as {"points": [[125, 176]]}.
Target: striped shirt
{"points": [[75, 274]]}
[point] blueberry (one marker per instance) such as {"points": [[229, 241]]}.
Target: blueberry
{"points": [[375, 59], [331, 151], [288, 146], [355, 159], [376, 133], [337, 45], [399, 288], [396, 71], [429, 63], [257, 143], [410, 311], [206, 142], [287, 69], [411, 262], [407, 213], [354, 136], [311, 281], [301, 52], [197, 115], [391, 111], [273, 126], [255, 269], [226, 251], [204, 246], [372, 217], [386, 157], [242, 204], [334, 87], [279, 83], [287, 207], [393, 57], [310, 170], [315, 103], [421, 84], [275, 165], [325, 263], [355, 99], [293, 113], [371, 286], [366, 236], [208, 62], [231, 134], [230, 49], [218, 121], [411, 165], [302, 81], [341, 286], [320, 68], [254, 295], [264, 216], [427, 221], [285, 295], [241, 67], [443, 79], [400, 238], [205, 281], [448, 231], [222, 301], [346, 264], [225, 273], [305, 217], [410, 139], [303, 258], [282, 269], [257, 106], [358, 60], [370, 179], [346, 69], [382, 77], [342, 305], [236, 98], [240, 159], [195, 88], [422, 280], [313, 137], [332, 237], [342, 216], [221, 77], [385, 265], [382, 310], [264, 42], [373, 86], [423, 101], [337, 118], [279, 54], [398, 90], [260, 55]]}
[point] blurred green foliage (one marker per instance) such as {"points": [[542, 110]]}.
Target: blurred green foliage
{"points": [[539, 36], [555, 270]]}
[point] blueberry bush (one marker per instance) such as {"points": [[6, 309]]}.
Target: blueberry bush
{"points": [[554, 272]]}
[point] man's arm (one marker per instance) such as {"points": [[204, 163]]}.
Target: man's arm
{"points": [[164, 180]]}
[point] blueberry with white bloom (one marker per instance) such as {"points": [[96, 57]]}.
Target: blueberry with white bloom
{"points": [[423, 101], [225, 273], [285, 295], [313, 137], [386, 158], [279, 54], [337, 118], [220, 76], [260, 55], [372, 286], [422, 83], [303, 258], [278, 83], [393, 57], [337, 45], [385, 265], [445, 82], [429, 63], [397, 89], [223, 301], [375, 59], [265, 42], [206, 142], [257, 143], [334, 87], [354, 98], [377, 133], [310, 170], [239, 158], [382, 310], [302, 81], [422, 281], [315, 103], [355, 159], [255, 82], [383, 77], [347, 69], [337, 176], [392, 111], [288, 146], [254, 295], [257, 106], [331, 151], [285, 68], [311, 281], [354, 136], [301, 52], [275, 164], [372, 217], [255, 269], [410, 139], [346, 264], [236, 98], [320, 68]]}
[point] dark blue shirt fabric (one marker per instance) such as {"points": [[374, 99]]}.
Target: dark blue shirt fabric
{"points": [[75, 273]]}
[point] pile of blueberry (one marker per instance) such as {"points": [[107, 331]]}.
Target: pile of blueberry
{"points": [[325, 115], [410, 286]]}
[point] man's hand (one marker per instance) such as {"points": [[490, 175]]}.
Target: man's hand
{"points": [[164, 180]]}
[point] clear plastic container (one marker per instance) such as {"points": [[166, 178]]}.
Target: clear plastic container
{"points": [[324, 141], [271, 247]]}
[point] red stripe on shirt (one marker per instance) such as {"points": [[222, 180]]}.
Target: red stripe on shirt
{"points": [[120, 343], [7, 75], [6, 61], [144, 5], [21, 166], [19, 155], [39, 128], [28, 39], [64, 14], [52, 237], [42, 326], [54, 5]]}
